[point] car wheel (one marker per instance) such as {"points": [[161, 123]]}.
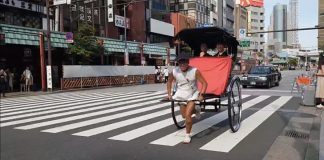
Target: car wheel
{"points": [[269, 84], [244, 86], [277, 83]]}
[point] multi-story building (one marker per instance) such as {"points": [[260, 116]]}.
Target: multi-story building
{"points": [[207, 12], [196, 9], [255, 24], [292, 36], [280, 22], [321, 23]]}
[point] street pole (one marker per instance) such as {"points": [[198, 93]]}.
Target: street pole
{"points": [[125, 38], [49, 58]]}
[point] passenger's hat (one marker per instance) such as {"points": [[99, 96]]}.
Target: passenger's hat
{"points": [[183, 56]]}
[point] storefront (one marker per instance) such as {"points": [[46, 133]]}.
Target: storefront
{"points": [[21, 49]]}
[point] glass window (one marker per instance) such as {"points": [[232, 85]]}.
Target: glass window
{"points": [[191, 5]]}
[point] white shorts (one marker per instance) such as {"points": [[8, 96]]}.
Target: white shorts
{"points": [[185, 96]]}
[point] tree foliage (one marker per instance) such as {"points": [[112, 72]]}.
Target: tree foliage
{"points": [[85, 44], [292, 62]]}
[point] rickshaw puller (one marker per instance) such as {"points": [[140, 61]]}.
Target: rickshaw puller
{"points": [[186, 78]]}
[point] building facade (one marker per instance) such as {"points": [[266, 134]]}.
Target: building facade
{"points": [[240, 19], [256, 23], [196, 9]]}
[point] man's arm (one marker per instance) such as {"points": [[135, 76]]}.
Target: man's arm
{"points": [[169, 85], [202, 80]]}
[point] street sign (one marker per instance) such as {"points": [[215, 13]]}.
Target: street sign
{"points": [[120, 22], [59, 2], [245, 43], [242, 33]]}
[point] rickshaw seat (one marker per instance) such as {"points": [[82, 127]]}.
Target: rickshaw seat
{"points": [[216, 72]]}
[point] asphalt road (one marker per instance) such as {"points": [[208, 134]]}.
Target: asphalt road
{"points": [[131, 123]]}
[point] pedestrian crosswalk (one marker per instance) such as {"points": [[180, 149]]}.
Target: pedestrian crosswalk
{"points": [[92, 114]]}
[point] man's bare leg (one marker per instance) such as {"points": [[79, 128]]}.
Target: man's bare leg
{"points": [[189, 111]]}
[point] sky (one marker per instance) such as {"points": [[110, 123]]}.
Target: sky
{"points": [[308, 17]]}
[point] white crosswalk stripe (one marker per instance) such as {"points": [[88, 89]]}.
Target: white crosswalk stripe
{"points": [[130, 135], [75, 98], [76, 111], [34, 108], [39, 107], [100, 113], [177, 137], [45, 98], [228, 140]]}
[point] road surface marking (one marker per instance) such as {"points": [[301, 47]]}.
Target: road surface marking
{"points": [[228, 140], [177, 137], [74, 112], [130, 135], [86, 115]]}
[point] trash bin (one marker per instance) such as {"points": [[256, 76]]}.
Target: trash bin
{"points": [[308, 95]]}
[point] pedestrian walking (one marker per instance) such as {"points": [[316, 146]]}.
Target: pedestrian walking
{"points": [[320, 82], [166, 74], [186, 78], [22, 83], [28, 78], [3, 82], [10, 80]]}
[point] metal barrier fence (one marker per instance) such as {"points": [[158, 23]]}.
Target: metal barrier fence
{"points": [[95, 76]]}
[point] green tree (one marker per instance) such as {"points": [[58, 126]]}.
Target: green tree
{"points": [[292, 61], [85, 45]]}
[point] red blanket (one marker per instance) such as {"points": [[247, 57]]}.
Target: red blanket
{"points": [[216, 71]]}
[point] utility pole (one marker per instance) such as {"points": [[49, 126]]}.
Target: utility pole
{"points": [[126, 58], [48, 35]]}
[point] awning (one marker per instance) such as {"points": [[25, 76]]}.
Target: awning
{"points": [[29, 36], [279, 62]]}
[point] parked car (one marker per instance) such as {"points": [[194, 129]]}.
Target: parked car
{"points": [[267, 76], [292, 68]]}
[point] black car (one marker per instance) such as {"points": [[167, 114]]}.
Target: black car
{"points": [[262, 76]]}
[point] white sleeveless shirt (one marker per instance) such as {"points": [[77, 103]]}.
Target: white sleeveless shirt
{"points": [[186, 84]]}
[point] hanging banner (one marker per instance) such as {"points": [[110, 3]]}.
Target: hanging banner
{"points": [[49, 77], [110, 11]]}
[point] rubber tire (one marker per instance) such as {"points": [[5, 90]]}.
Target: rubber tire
{"points": [[269, 84], [177, 124], [229, 107]]}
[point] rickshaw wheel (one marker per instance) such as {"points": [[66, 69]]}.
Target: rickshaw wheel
{"points": [[178, 120], [234, 104]]}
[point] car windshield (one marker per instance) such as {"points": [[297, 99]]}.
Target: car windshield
{"points": [[260, 70]]}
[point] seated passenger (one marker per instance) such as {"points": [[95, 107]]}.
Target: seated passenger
{"points": [[221, 50], [203, 49]]}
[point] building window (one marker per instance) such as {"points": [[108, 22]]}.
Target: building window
{"points": [[191, 5]]}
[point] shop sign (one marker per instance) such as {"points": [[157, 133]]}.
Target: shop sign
{"points": [[120, 22], [69, 37], [49, 77], [23, 5]]}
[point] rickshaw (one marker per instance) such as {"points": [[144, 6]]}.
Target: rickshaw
{"points": [[222, 84]]}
